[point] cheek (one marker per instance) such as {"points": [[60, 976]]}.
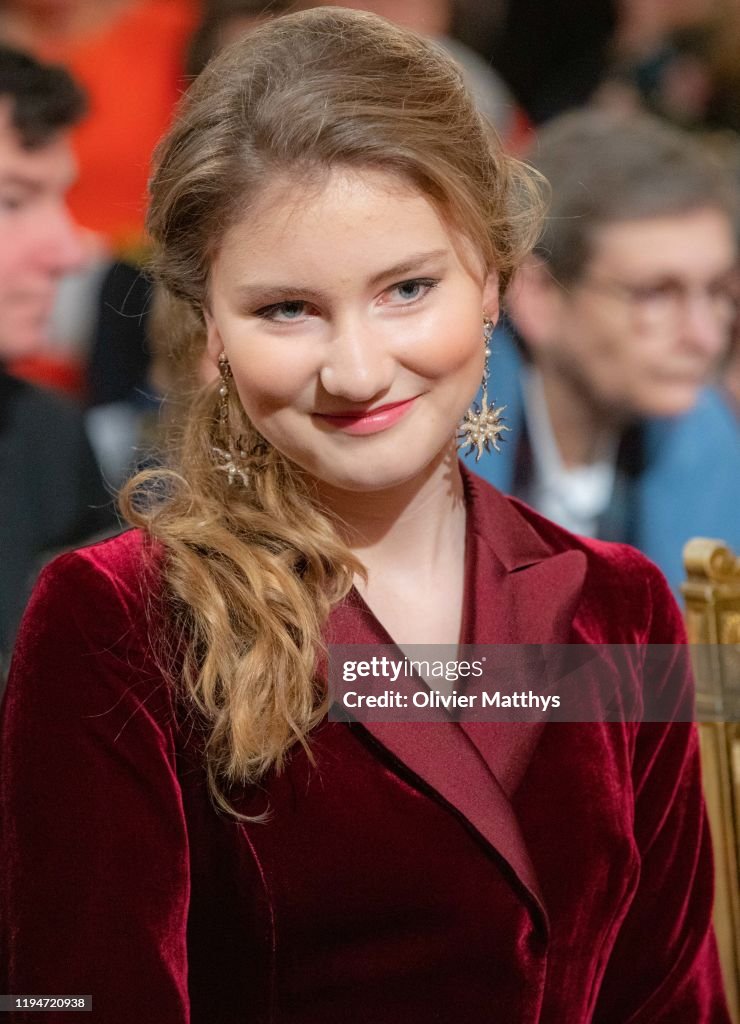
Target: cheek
{"points": [[12, 275], [599, 343], [268, 376], [22, 249], [449, 344], [641, 360]]}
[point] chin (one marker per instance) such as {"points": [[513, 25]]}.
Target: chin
{"points": [[674, 402], [367, 476]]}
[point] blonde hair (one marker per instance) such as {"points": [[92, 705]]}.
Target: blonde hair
{"points": [[253, 573]]}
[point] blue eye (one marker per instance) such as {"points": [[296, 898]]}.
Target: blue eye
{"points": [[410, 291], [283, 311]]}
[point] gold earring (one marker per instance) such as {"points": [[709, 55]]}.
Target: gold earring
{"points": [[482, 427], [229, 457]]}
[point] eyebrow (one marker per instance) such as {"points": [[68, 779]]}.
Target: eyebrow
{"points": [[251, 292], [411, 263]]}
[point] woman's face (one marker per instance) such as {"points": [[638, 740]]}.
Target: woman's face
{"points": [[352, 318]]}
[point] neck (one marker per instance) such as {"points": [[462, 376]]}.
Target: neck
{"points": [[404, 529], [580, 426]]}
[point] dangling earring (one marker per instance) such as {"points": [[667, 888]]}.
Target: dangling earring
{"points": [[482, 427], [231, 458]]}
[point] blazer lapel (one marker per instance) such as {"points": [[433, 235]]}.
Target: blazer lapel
{"points": [[518, 591], [524, 594]]}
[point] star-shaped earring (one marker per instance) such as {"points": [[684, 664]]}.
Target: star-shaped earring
{"points": [[227, 461], [482, 427]]}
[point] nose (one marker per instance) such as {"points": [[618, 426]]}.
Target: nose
{"points": [[358, 365], [703, 328]]}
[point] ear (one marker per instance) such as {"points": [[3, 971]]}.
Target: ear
{"points": [[214, 345], [536, 304]]}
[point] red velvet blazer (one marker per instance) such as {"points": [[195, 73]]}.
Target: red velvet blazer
{"points": [[418, 872]]}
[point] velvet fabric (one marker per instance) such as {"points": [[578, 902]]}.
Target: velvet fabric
{"points": [[416, 873]]}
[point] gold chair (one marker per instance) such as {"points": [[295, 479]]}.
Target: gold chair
{"points": [[712, 596]]}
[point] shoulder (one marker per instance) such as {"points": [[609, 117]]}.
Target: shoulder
{"points": [[623, 590], [603, 556], [88, 673], [623, 594], [101, 594], [91, 647], [29, 399], [123, 561], [710, 424], [31, 415]]}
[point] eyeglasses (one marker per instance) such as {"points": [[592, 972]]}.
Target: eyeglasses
{"points": [[664, 304]]}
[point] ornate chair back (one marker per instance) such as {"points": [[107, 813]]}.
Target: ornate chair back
{"points": [[712, 597]]}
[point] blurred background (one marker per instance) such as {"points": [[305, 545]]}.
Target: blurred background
{"points": [[104, 348]]}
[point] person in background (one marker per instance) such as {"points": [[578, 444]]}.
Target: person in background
{"points": [[435, 18], [221, 23], [623, 316], [51, 492], [730, 376], [678, 60], [129, 56], [551, 55]]}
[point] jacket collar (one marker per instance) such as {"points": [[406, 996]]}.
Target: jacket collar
{"points": [[519, 589], [525, 587]]}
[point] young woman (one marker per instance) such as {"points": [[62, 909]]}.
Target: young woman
{"points": [[187, 837]]}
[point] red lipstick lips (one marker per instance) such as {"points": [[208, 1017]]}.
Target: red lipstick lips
{"points": [[369, 421]]}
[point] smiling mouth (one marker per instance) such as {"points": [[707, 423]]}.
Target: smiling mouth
{"points": [[369, 421]]}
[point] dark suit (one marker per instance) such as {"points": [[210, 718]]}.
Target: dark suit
{"points": [[51, 491]]}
